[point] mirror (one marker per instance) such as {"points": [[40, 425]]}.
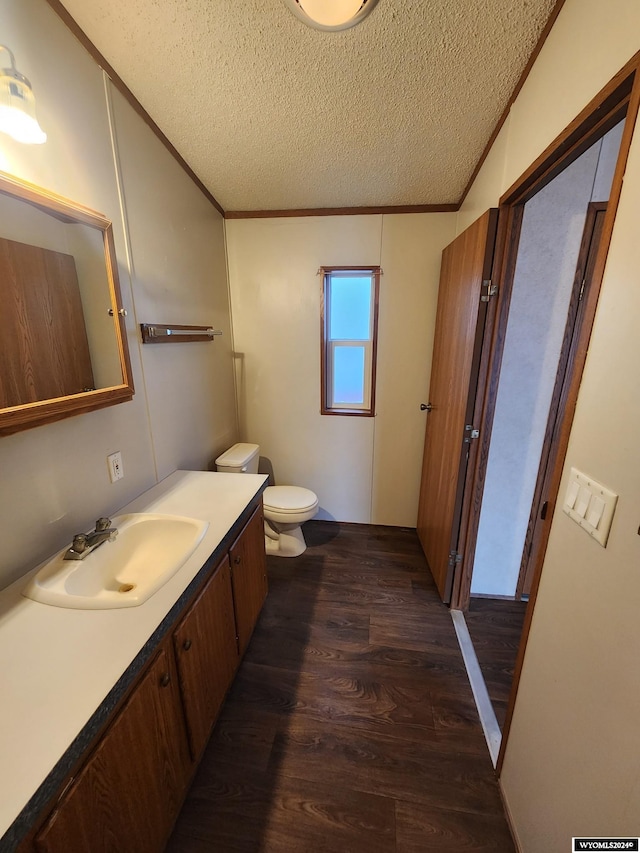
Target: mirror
{"points": [[63, 346]]}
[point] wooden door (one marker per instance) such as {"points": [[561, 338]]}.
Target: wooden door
{"points": [[560, 412], [207, 656], [459, 333], [249, 577], [129, 792], [44, 341]]}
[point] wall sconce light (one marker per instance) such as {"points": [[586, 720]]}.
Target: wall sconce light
{"points": [[331, 14], [18, 106]]}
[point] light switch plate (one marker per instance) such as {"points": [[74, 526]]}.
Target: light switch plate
{"points": [[591, 505]]}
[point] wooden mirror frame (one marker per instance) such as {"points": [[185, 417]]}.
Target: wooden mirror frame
{"points": [[28, 415]]}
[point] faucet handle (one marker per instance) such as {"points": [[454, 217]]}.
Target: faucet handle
{"points": [[103, 524], [79, 543]]}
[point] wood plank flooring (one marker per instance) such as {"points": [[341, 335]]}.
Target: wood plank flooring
{"points": [[495, 628], [351, 725]]}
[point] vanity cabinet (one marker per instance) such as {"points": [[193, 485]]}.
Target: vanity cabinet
{"points": [[249, 577], [129, 791], [207, 656]]}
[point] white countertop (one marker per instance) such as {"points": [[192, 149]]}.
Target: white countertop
{"points": [[57, 665]]}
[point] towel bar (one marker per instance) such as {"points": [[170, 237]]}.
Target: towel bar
{"points": [[156, 333]]}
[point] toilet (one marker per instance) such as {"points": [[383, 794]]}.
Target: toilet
{"points": [[285, 507]]}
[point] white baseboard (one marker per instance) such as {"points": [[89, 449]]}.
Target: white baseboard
{"points": [[510, 822], [490, 595]]}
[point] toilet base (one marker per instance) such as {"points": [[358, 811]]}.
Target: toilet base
{"points": [[290, 542]]}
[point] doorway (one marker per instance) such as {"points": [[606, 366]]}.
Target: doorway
{"points": [[560, 235], [617, 103], [550, 272]]}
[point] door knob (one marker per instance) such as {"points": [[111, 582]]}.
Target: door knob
{"points": [[426, 407]]}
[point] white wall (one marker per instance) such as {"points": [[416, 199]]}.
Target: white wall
{"points": [[179, 273], [571, 764], [53, 479], [362, 469]]}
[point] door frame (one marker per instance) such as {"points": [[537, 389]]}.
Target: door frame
{"points": [[544, 501], [618, 100]]}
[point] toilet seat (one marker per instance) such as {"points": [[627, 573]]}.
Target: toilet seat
{"points": [[289, 504]]}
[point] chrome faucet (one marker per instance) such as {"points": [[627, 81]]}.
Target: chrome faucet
{"points": [[84, 543]]}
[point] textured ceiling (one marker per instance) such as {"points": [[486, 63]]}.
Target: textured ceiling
{"points": [[271, 114]]}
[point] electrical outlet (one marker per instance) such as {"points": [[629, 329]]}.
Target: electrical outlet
{"points": [[114, 463]]}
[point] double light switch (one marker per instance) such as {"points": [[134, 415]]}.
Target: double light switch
{"points": [[591, 505]]}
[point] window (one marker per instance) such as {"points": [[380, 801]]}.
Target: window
{"points": [[349, 332]]}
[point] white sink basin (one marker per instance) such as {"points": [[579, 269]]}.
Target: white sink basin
{"points": [[148, 550]]}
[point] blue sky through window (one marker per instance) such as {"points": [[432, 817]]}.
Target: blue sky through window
{"points": [[350, 308], [348, 375]]}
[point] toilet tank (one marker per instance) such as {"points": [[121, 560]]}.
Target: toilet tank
{"points": [[239, 459]]}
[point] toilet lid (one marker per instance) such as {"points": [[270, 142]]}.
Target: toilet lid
{"points": [[291, 499]]}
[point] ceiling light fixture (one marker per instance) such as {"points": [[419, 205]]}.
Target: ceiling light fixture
{"points": [[331, 14], [18, 106]]}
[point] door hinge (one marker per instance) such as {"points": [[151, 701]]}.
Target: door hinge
{"points": [[488, 290], [454, 558], [473, 433], [582, 287]]}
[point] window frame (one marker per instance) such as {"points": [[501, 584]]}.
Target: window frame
{"points": [[327, 346]]}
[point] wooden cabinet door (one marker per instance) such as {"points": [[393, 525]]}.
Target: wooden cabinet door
{"points": [[249, 577], [207, 656], [45, 350], [129, 792]]}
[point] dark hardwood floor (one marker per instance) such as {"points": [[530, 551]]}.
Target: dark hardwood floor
{"points": [[495, 627], [351, 725]]}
